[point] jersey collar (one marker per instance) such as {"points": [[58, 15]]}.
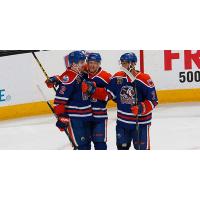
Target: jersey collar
{"points": [[129, 79], [91, 76]]}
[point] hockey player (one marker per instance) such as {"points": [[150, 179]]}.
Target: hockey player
{"points": [[101, 79], [135, 103], [56, 79], [97, 133], [71, 105]]}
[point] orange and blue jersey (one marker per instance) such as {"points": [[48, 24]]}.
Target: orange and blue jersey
{"points": [[69, 93], [123, 91], [102, 79]]}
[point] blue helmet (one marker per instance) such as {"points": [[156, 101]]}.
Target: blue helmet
{"points": [[128, 57], [75, 57], [94, 57]]}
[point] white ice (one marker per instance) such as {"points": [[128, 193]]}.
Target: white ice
{"points": [[174, 126]]}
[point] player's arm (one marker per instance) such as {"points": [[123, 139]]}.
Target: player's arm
{"points": [[150, 102], [54, 80], [111, 89], [100, 93]]}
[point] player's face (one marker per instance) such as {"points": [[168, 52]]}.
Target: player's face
{"points": [[81, 64], [79, 67], [127, 64], [93, 66]]}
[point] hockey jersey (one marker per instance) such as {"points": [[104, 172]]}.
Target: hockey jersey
{"points": [[69, 93], [102, 79], [123, 91]]}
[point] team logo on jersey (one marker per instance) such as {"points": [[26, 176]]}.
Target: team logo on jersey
{"points": [[127, 94], [65, 78], [119, 81]]}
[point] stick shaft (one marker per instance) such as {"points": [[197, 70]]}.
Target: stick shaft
{"points": [[48, 103], [42, 68]]}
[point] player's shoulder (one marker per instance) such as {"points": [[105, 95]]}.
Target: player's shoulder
{"points": [[68, 77], [145, 79], [106, 76], [119, 74]]}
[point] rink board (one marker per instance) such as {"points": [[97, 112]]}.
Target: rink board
{"points": [[176, 75], [40, 108]]}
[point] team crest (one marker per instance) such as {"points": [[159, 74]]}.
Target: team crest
{"points": [[65, 78], [127, 95]]}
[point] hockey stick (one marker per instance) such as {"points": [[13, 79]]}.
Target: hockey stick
{"points": [[132, 77], [42, 68], [48, 103], [52, 110]]}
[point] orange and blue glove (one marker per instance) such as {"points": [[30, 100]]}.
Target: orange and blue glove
{"points": [[63, 120], [88, 87], [138, 109], [62, 123], [52, 81]]}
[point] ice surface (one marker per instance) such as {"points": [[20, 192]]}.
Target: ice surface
{"points": [[174, 126]]}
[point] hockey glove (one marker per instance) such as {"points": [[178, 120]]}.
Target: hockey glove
{"points": [[63, 120], [52, 81], [138, 109], [62, 123], [88, 87]]}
